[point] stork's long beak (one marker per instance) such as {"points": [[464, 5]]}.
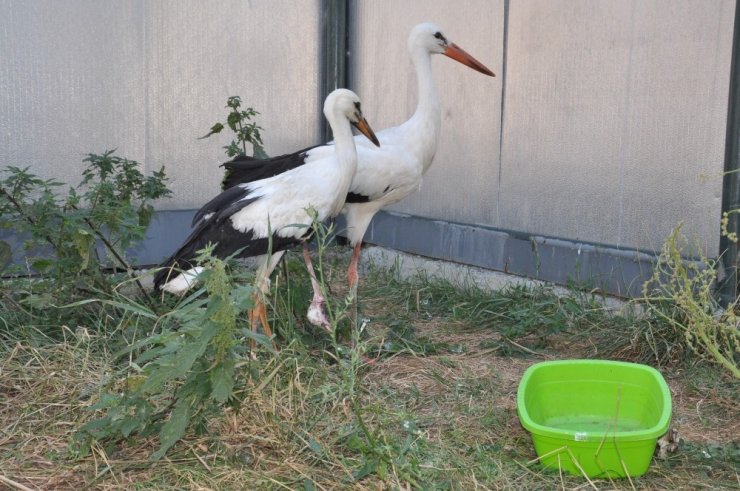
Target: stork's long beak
{"points": [[458, 54], [364, 128]]}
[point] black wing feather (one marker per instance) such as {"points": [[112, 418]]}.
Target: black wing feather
{"points": [[224, 204], [243, 169], [228, 242], [218, 230]]}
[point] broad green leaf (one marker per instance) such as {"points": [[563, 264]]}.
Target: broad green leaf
{"points": [[233, 119], [83, 241], [216, 128], [259, 151], [315, 446], [177, 364], [129, 424], [369, 467], [242, 296], [174, 428], [355, 443], [41, 265], [259, 338], [126, 306], [222, 380]]}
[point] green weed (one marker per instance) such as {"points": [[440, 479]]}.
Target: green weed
{"points": [[246, 131], [75, 240], [681, 295]]}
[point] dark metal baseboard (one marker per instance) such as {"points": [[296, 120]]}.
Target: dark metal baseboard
{"points": [[611, 270]]}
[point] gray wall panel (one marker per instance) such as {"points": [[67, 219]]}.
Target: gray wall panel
{"points": [[203, 52], [71, 82], [614, 111], [460, 185], [149, 78]]}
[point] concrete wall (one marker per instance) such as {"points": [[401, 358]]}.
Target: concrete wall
{"points": [[149, 78], [614, 113]]}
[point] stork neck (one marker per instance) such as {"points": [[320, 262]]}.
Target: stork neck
{"points": [[344, 144], [424, 126], [427, 106]]}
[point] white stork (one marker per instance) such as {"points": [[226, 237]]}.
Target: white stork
{"points": [[387, 174], [245, 219]]}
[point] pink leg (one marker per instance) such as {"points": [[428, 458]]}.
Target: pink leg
{"points": [[316, 314]]}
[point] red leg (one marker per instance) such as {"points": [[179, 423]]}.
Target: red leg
{"points": [[258, 314], [352, 275], [263, 320]]}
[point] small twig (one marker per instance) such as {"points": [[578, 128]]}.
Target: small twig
{"points": [[523, 348], [613, 424], [560, 472], [573, 459], [577, 464], [548, 454], [14, 484], [624, 468], [208, 468]]}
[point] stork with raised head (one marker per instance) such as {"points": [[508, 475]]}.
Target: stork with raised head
{"points": [[387, 174], [267, 216]]}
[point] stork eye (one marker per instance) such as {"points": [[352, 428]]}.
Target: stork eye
{"points": [[357, 105], [440, 36]]}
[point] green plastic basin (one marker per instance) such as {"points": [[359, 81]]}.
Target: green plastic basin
{"points": [[595, 417]]}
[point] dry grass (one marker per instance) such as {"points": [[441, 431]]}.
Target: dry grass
{"points": [[445, 420]]}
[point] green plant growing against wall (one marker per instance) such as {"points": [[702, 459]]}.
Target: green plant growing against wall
{"points": [[74, 238], [246, 131], [176, 377], [681, 293]]}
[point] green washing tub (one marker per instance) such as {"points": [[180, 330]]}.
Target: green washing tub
{"points": [[594, 417]]}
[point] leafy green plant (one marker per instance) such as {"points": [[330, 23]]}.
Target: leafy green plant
{"points": [[246, 131], [73, 238], [681, 294], [177, 376], [384, 454]]}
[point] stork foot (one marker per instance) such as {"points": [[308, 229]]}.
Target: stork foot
{"points": [[316, 315]]}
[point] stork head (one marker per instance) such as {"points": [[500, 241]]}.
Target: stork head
{"points": [[429, 37], [345, 103]]}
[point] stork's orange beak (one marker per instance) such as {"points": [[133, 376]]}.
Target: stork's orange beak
{"points": [[458, 54], [364, 128]]}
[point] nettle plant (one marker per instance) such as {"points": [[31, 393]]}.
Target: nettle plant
{"points": [[183, 373], [74, 238], [246, 131]]}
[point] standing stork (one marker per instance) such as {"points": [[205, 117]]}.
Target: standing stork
{"points": [[387, 174], [266, 216]]}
